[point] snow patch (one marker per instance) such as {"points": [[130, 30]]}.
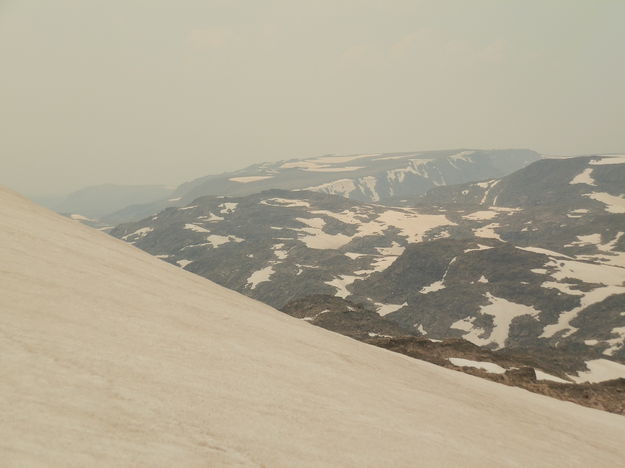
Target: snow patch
{"points": [[540, 375], [385, 309], [285, 203], [600, 370], [584, 177], [613, 204], [503, 313], [481, 215], [488, 231], [228, 207], [195, 228], [261, 276], [609, 159], [248, 179], [487, 366], [216, 240], [340, 283], [139, 233], [334, 169]]}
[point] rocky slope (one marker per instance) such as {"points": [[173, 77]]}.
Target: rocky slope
{"points": [[279, 245], [111, 357], [526, 272], [380, 178], [539, 370]]}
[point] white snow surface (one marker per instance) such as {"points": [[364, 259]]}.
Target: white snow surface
{"points": [[609, 159], [111, 357], [541, 375], [260, 276], [316, 238], [217, 240], [139, 233], [341, 187], [340, 283], [612, 278], [210, 218], [503, 312], [385, 309], [435, 286], [479, 247], [488, 231], [283, 202], [228, 207], [333, 169], [248, 179], [195, 228], [545, 252], [600, 370], [584, 177], [613, 204], [482, 215]]}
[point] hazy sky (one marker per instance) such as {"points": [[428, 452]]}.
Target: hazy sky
{"points": [[155, 91]]}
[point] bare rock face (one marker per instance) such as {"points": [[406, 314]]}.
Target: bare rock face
{"points": [[344, 317], [513, 367], [522, 375]]}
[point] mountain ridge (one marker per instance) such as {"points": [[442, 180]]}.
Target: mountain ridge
{"points": [[380, 177], [497, 275]]}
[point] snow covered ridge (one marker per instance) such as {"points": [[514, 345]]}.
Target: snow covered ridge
{"points": [[573, 179], [379, 178], [109, 348]]}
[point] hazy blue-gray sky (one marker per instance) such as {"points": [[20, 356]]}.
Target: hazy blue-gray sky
{"points": [[155, 91]]}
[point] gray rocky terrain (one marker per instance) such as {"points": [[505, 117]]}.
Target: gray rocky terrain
{"points": [[538, 370], [490, 262]]}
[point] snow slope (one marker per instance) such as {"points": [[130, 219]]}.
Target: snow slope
{"points": [[111, 357]]}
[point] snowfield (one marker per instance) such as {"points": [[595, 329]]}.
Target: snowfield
{"points": [[111, 357]]}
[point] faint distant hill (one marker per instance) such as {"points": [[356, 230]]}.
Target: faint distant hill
{"points": [[385, 178], [99, 200]]}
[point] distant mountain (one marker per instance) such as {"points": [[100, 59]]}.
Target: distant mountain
{"points": [[527, 272], [380, 178], [364, 177], [100, 200]]}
